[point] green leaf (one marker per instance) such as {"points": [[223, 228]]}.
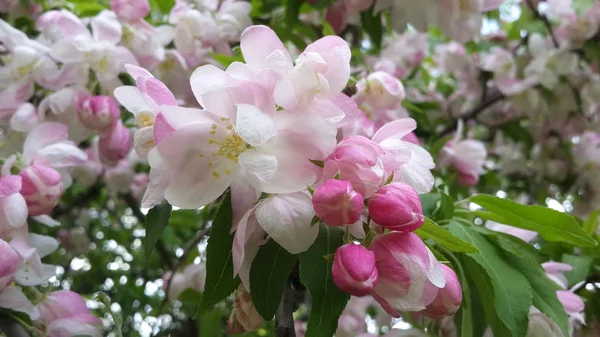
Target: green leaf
{"points": [[512, 294], [481, 282], [519, 134], [292, 11], [446, 209], [190, 296], [552, 225], [429, 203], [226, 60], [591, 223], [327, 29], [443, 237], [581, 267], [211, 323], [156, 221], [372, 25], [437, 146], [524, 258], [165, 6], [219, 262], [268, 275], [327, 300]]}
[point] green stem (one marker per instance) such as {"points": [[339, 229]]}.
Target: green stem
{"points": [[33, 331]]}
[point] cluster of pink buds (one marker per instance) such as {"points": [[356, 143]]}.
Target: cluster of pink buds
{"points": [[396, 267]]}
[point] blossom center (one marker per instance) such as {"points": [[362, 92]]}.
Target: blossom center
{"points": [[232, 145]]}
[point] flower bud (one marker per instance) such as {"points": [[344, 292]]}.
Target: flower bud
{"points": [[115, 144], [360, 161], [409, 274], [42, 188], [396, 207], [354, 269], [98, 113], [336, 203], [9, 262], [64, 304], [130, 10], [448, 298]]}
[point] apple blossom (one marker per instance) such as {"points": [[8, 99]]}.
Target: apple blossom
{"points": [[244, 316], [115, 144], [396, 207], [336, 203], [13, 207], [354, 269], [466, 156], [129, 10], [409, 274], [42, 188], [448, 298], [9, 262], [98, 113]]}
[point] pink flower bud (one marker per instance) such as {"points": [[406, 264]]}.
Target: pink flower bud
{"points": [[336, 203], [65, 304], [115, 144], [9, 262], [354, 269], [448, 298], [42, 188], [409, 274], [98, 113], [130, 10], [360, 161], [397, 207]]}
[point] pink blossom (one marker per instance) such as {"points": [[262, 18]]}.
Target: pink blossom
{"points": [[336, 203], [548, 63], [144, 102], [396, 207], [523, 234], [192, 277], [115, 144], [360, 161], [448, 298], [409, 274], [354, 269], [47, 144], [98, 113], [42, 188], [466, 156], [380, 95], [9, 262], [402, 53], [413, 164], [130, 10], [13, 207], [97, 51]]}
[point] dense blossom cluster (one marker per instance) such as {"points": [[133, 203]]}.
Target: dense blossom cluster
{"points": [[298, 140]]}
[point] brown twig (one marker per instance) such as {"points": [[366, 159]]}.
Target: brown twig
{"points": [[188, 250], [495, 98], [544, 20], [284, 319]]}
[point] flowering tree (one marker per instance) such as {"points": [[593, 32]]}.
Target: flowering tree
{"points": [[299, 168]]}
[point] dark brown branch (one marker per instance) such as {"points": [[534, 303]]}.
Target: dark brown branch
{"points": [[495, 98], [544, 20], [284, 318]]}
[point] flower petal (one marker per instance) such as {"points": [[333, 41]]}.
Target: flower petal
{"points": [[287, 218], [254, 126], [259, 43]]}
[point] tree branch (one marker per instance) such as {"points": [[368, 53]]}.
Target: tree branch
{"points": [[284, 319], [497, 97], [545, 21], [188, 250]]}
